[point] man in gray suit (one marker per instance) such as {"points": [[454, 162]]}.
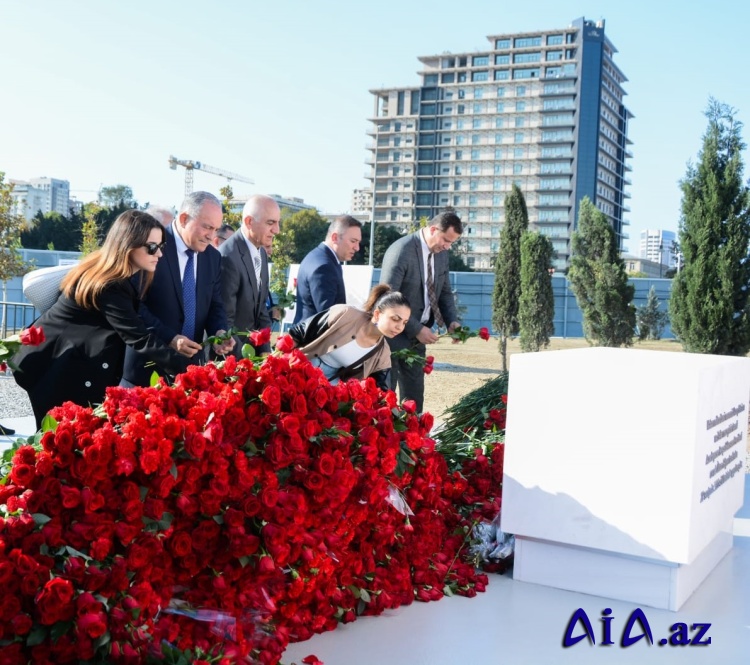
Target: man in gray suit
{"points": [[244, 269], [409, 265]]}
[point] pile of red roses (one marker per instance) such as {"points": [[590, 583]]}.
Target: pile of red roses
{"points": [[217, 519]]}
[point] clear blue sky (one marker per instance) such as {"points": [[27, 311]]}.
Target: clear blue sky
{"points": [[103, 92]]}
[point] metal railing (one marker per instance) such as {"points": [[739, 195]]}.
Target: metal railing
{"points": [[15, 316]]}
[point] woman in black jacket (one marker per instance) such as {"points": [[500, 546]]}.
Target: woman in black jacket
{"points": [[95, 317]]}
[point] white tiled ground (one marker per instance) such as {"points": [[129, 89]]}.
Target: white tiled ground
{"points": [[515, 623]]}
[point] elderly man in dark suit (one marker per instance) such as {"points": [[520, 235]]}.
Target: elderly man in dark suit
{"points": [[417, 266], [320, 280], [244, 269], [184, 302]]}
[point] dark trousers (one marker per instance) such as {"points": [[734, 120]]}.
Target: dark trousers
{"points": [[409, 378]]}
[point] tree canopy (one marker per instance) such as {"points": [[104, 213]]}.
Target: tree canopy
{"points": [[507, 290], [11, 225], [536, 305], [709, 305], [599, 281]]}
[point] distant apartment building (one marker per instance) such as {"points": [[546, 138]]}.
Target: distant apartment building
{"points": [[40, 195], [658, 245], [361, 207], [542, 109]]}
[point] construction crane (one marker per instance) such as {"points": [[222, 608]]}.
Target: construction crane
{"points": [[191, 166]]}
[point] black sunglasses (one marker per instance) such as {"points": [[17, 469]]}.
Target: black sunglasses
{"points": [[153, 247]]}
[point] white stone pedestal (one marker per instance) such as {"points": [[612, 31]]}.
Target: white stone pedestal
{"points": [[624, 469]]}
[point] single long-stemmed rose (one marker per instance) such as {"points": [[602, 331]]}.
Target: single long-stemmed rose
{"points": [[410, 356], [31, 336]]}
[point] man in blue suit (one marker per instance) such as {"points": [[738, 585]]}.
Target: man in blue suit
{"points": [[184, 301], [320, 280]]}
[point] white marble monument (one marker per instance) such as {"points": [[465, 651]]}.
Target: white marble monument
{"points": [[620, 483]]}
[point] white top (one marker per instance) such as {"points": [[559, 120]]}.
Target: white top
{"points": [[343, 356]]}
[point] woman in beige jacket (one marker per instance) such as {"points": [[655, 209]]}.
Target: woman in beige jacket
{"points": [[347, 342]]}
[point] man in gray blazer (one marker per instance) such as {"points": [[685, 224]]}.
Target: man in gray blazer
{"points": [[244, 269], [407, 266]]}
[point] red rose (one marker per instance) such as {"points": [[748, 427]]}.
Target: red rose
{"points": [[484, 333], [427, 369], [285, 343], [32, 336], [55, 601], [271, 397], [312, 660], [93, 624], [409, 405], [260, 337]]}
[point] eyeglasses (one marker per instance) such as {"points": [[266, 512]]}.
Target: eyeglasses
{"points": [[153, 247]]}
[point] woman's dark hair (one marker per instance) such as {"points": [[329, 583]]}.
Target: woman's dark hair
{"points": [[85, 282], [382, 297]]}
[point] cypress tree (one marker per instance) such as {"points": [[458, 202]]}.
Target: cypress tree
{"points": [[709, 307], [650, 320], [536, 307], [507, 289], [599, 281]]}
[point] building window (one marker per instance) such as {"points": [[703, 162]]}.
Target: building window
{"points": [[517, 168], [473, 200], [502, 74], [483, 75], [478, 92], [554, 40], [473, 185], [501, 91], [457, 185], [475, 153], [520, 106], [498, 169], [475, 139], [527, 73], [456, 200], [502, 43], [448, 77], [459, 154], [478, 107], [520, 90], [526, 42], [500, 107], [502, 59], [480, 61], [518, 137], [476, 123], [395, 171], [520, 121], [474, 169], [527, 57], [518, 153], [498, 153], [554, 55]]}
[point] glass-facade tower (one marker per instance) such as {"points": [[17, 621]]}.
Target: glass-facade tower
{"points": [[542, 109]]}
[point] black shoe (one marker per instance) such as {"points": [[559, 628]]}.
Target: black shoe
{"points": [[7, 431]]}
